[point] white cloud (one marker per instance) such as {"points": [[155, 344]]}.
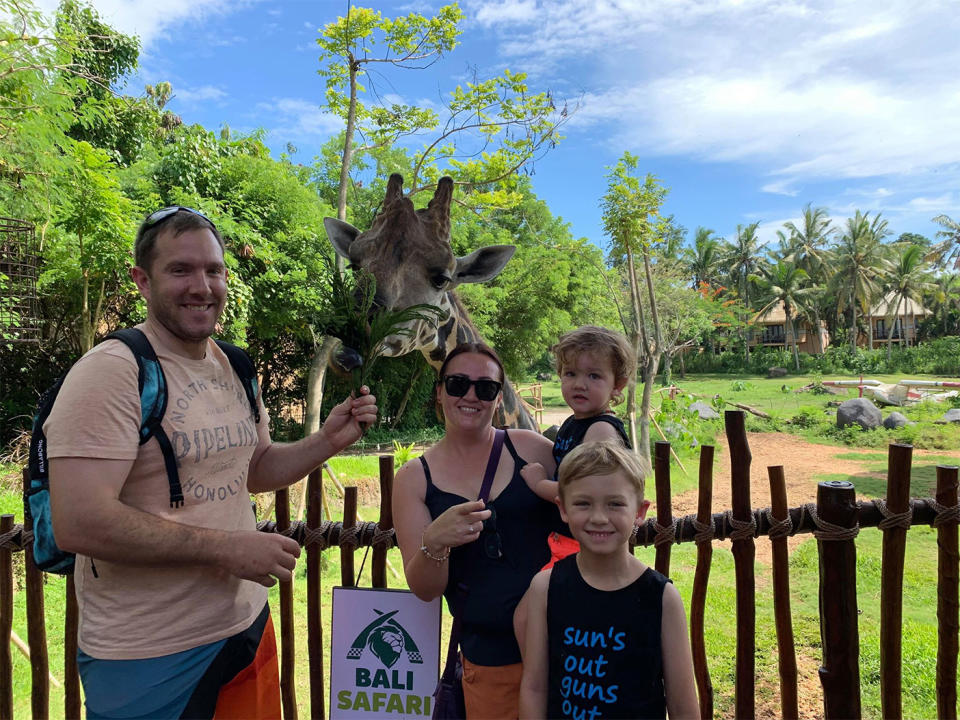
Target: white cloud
{"points": [[295, 119], [204, 93]]}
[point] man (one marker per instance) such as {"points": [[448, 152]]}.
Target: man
{"points": [[174, 619]]}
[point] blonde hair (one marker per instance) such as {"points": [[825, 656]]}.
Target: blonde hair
{"points": [[607, 343], [603, 458]]}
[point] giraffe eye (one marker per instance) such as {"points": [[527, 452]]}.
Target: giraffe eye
{"points": [[440, 281]]}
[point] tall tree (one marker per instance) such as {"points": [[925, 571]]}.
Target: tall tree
{"points": [[785, 284], [632, 221], [908, 280], [703, 258], [859, 265], [949, 246], [742, 261]]}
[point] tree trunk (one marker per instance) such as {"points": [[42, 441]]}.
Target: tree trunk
{"points": [[896, 314], [318, 371], [648, 373], [793, 332], [667, 376], [683, 365]]}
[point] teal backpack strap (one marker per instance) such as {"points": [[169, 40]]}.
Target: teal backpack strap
{"points": [[152, 385], [243, 367]]}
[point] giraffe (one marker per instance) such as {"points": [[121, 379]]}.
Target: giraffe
{"points": [[408, 253]]}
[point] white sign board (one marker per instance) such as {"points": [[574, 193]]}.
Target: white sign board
{"points": [[385, 654]]}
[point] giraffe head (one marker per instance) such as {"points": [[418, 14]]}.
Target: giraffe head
{"points": [[408, 253]]}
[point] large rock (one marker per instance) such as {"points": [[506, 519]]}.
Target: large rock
{"points": [[950, 416], [896, 420], [859, 411], [776, 372], [703, 410]]}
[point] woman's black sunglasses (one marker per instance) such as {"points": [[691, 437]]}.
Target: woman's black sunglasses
{"points": [[155, 218], [459, 385]]}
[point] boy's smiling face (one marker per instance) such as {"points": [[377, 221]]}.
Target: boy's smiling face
{"points": [[602, 510]]}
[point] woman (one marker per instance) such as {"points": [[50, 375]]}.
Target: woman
{"points": [[448, 537]]}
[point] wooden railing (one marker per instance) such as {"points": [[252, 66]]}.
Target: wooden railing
{"points": [[835, 519]]}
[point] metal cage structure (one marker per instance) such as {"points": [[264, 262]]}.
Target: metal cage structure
{"points": [[19, 264]]}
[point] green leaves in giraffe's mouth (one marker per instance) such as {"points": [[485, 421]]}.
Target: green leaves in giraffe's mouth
{"points": [[352, 316]]}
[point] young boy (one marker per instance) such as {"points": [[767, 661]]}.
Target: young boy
{"points": [[594, 365], [606, 635]]}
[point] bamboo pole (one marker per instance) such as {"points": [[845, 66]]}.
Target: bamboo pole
{"points": [[891, 584], [698, 601], [36, 629], [314, 591], [25, 651], [661, 471], [347, 578], [948, 615], [786, 653], [378, 566], [6, 623], [744, 553], [288, 690], [839, 636], [71, 674]]}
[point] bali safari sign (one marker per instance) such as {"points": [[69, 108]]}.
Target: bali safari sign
{"points": [[385, 654]]}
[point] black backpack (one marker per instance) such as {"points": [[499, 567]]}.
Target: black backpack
{"points": [[153, 404]]}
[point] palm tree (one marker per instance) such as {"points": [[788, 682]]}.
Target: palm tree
{"points": [[704, 257], [784, 283], [908, 280], [807, 243], [742, 262], [859, 264], [949, 248], [944, 296]]}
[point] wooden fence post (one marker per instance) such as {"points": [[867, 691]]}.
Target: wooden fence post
{"points": [[347, 578], [314, 590], [36, 627], [786, 653], [661, 471], [948, 574], [840, 639], [744, 553], [6, 622], [71, 673], [378, 568], [698, 600], [288, 689], [891, 579]]}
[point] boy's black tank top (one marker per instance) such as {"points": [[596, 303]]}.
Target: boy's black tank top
{"points": [[573, 430], [605, 656], [496, 584]]}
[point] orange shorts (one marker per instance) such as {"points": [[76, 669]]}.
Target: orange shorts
{"points": [[255, 691], [491, 692], [561, 546]]}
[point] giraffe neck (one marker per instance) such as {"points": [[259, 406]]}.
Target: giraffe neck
{"points": [[436, 344]]}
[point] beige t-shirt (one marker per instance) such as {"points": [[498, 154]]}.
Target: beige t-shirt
{"points": [[130, 611]]}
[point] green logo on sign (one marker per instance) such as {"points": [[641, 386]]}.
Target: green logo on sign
{"points": [[387, 640]]}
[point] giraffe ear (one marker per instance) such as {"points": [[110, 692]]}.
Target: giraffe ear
{"points": [[483, 264], [341, 234]]}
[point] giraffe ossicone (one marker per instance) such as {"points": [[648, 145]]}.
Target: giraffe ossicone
{"points": [[408, 252]]}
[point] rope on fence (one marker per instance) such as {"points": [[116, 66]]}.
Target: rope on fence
{"points": [[666, 534], [742, 529], [705, 531], [778, 528], [891, 519], [829, 531], [945, 515], [11, 540]]}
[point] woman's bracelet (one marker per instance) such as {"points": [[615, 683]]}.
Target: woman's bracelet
{"points": [[438, 559]]}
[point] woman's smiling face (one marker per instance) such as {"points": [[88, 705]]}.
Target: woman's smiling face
{"points": [[469, 410]]}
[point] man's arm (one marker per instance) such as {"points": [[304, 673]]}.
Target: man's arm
{"points": [[533, 686], [90, 519], [277, 465]]}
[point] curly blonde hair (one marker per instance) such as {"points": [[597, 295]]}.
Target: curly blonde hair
{"points": [[603, 342]]}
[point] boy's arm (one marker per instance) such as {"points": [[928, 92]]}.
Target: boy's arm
{"points": [[679, 685], [533, 686], [537, 480]]}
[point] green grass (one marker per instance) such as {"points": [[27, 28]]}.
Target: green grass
{"points": [[872, 482]]}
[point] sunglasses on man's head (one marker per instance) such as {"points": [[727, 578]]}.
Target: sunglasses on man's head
{"points": [[459, 385], [155, 218]]}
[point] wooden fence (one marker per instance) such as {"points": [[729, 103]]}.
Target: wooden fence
{"points": [[835, 520]]}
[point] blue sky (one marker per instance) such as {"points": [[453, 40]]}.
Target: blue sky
{"points": [[746, 109]]}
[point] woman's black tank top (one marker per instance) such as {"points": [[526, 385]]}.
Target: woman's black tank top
{"points": [[496, 584], [605, 658]]}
